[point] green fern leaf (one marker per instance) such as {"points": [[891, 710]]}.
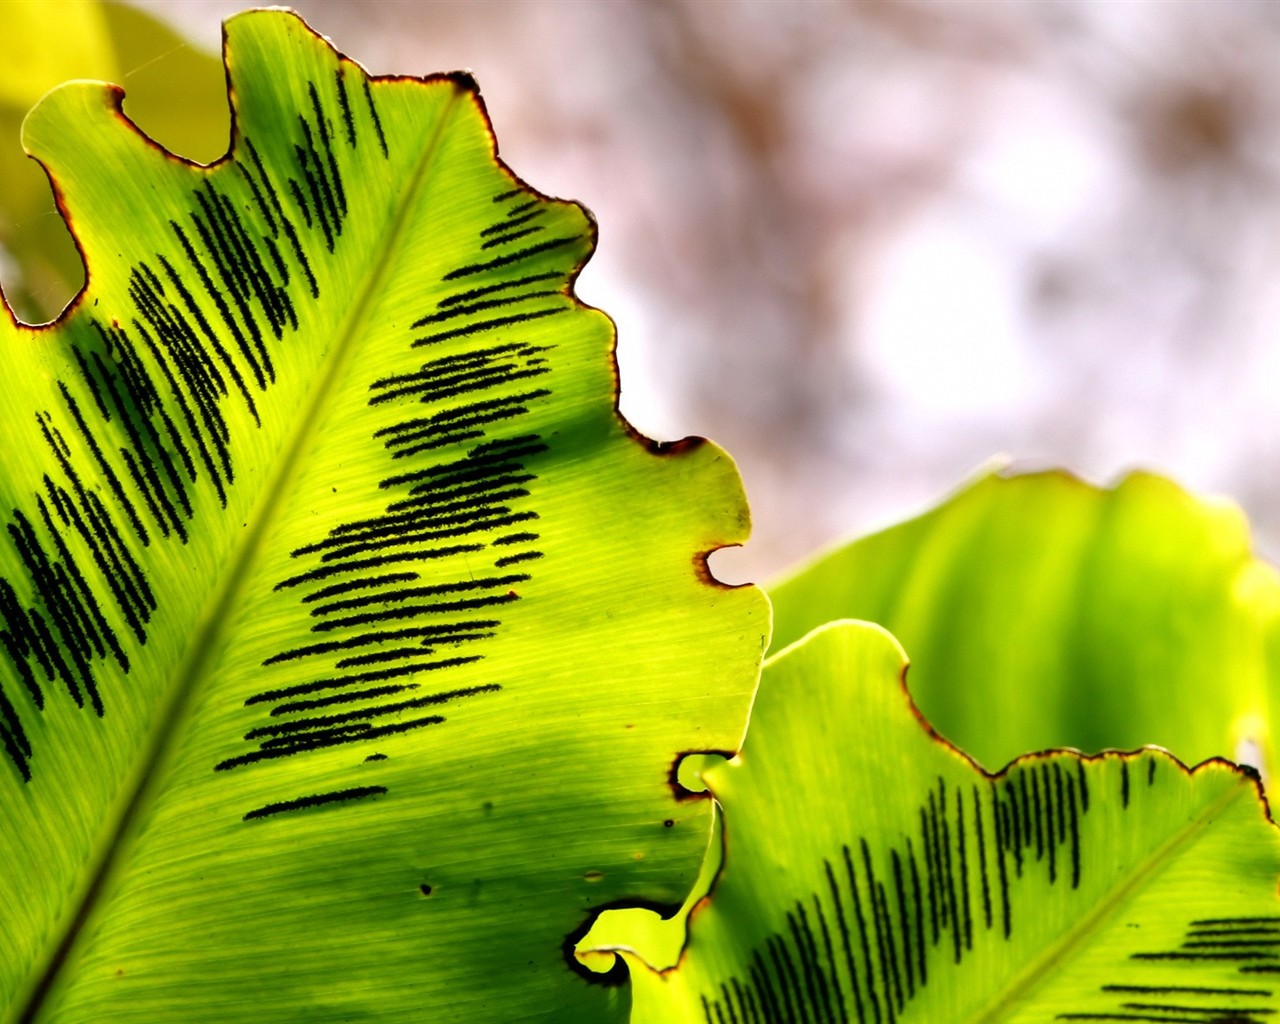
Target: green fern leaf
{"points": [[1092, 617], [347, 634], [874, 873]]}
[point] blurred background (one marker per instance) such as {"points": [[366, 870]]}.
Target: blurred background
{"points": [[865, 246]]}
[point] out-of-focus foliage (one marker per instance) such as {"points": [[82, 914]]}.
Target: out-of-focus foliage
{"points": [[1040, 611], [175, 94]]}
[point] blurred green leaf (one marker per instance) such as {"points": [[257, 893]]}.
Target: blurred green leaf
{"points": [[1042, 612], [175, 93]]}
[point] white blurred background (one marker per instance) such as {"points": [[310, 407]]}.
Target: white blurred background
{"points": [[867, 245]]}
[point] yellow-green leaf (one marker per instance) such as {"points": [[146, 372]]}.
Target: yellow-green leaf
{"points": [[175, 93], [873, 873], [1041, 611], [347, 634]]}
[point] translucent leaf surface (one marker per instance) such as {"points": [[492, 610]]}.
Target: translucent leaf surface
{"points": [[347, 635], [1043, 612], [873, 873], [176, 94]]}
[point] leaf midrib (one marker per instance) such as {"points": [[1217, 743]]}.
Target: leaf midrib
{"points": [[212, 624], [1107, 907]]}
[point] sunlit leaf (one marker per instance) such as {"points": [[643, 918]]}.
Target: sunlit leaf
{"points": [[347, 635], [175, 93], [1040, 611], [873, 873]]}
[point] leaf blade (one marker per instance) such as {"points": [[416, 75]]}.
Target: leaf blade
{"points": [[470, 457], [1096, 882], [1129, 603]]}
